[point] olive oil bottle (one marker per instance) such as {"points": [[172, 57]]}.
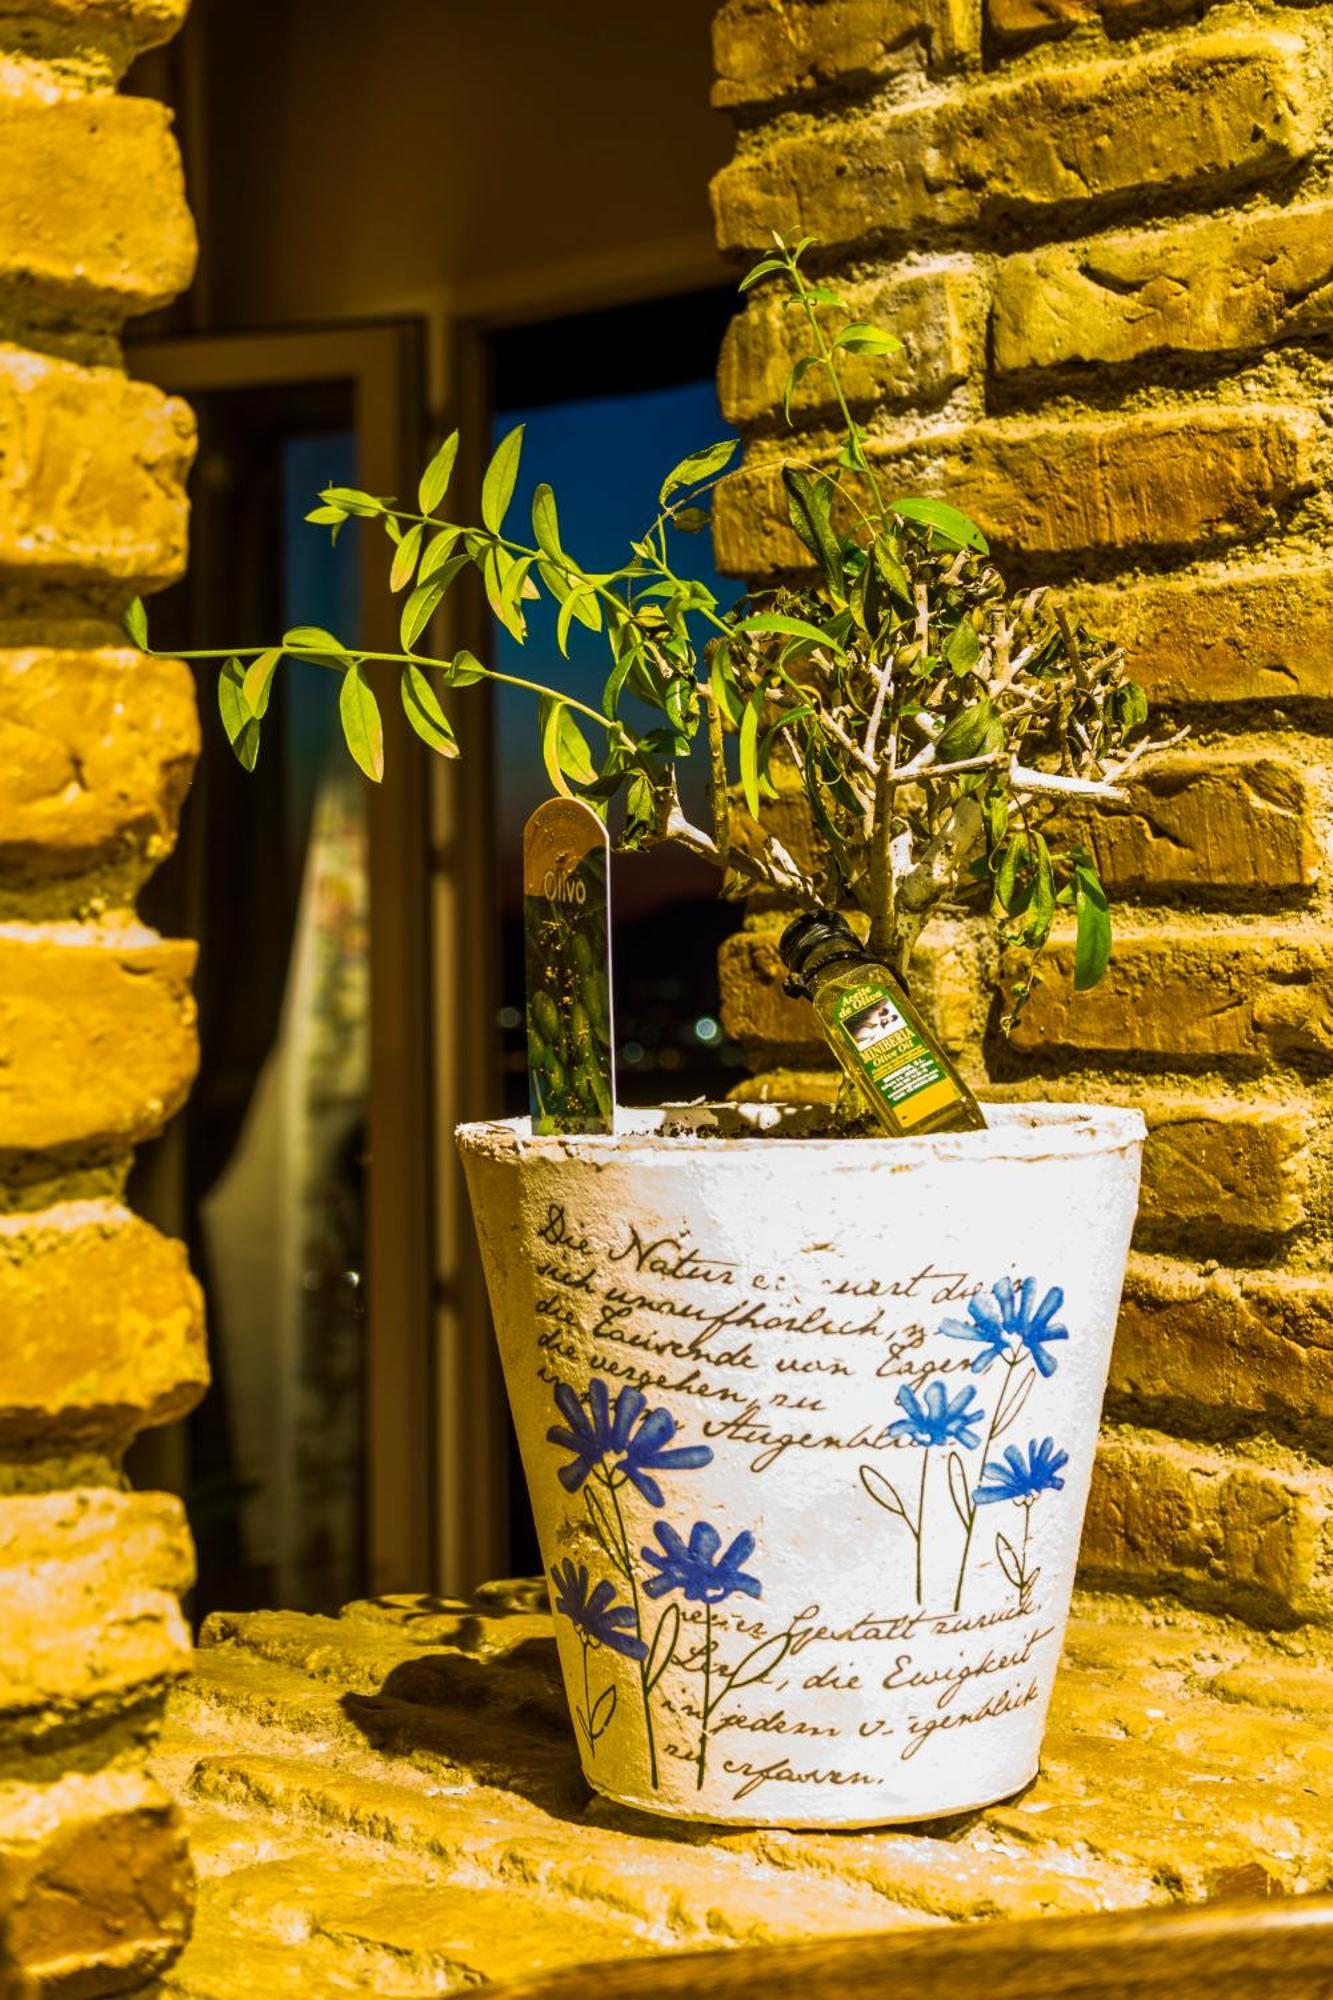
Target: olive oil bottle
{"points": [[898, 1068]]}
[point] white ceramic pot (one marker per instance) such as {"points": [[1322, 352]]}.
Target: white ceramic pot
{"points": [[808, 1425]]}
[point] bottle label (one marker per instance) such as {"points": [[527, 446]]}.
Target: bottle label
{"points": [[902, 1068]]}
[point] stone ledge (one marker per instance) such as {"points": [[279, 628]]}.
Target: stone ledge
{"points": [[390, 1801]]}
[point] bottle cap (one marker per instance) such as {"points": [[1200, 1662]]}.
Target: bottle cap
{"points": [[817, 937]]}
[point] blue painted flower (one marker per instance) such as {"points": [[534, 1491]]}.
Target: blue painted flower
{"points": [[595, 1613], [1006, 1315], [600, 1433], [697, 1570], [650, 1450], [1014, 1480], [935, 1418]]}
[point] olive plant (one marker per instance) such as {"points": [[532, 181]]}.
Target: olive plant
{"points": [[938, 724]]}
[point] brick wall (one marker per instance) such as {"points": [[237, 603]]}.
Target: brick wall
{"points": [[1107, 238], [100, 1324]]}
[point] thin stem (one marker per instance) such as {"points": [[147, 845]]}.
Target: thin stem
{"points": [[638, 1629], [853, 429], [881, 939], [707, 1704], [587, 1700], [921, 1518], [611, 724], [973, 1509]]}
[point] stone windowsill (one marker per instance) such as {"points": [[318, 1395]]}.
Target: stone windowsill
{"points": [[390, 1802]]}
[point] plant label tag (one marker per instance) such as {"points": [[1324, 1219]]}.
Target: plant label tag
{"points": [[567, 952]]}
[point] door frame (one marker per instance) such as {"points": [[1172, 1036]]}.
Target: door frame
{"points": [[383, 363]]}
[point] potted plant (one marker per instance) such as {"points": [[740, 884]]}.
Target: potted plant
{"points": [[807, 1415]]}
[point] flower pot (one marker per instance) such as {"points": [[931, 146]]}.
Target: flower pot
{"points": [[808, 1424]]}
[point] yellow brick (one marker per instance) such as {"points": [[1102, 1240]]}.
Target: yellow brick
{"points": [[97, 1035], [95, 1882], [1239, 101], [770, 49], [92, 475], [934, 313], [1010, 20], [103, 1327], [1210, 1162], [128, 25], [1210, 286], [1201, 818], [1224, 1163], [96, 754], [1254, 993], [1164, 479], [1262, 634], [1254, 1343], [1172, 1516], [93, 219], [90, 1581]]}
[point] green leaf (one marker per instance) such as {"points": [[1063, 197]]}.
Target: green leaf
{"points": [[963, 649], [799, 370], [546, 524], [327, 517], [437, 553], [749, 743], [362, 725], [691, 520], [700, 465], [405, 558], [966, 734], [351, 501], [862, 338], [241, 727], [1130, 705], [581, 603], [312, 639], [565, 751], [808, 504], [136, 623], [258, 682], [497, 488], [1041, 910], [503, 578], [421, 705], [795, 628], [949, 525], [1092, 947], [1007, 894], [465, 669], [890, 566], [435, 479], [763, 269], [722, 683], [425, 601]]}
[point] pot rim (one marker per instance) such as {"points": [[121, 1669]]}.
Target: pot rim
{"points": [[1028, 1131]]}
